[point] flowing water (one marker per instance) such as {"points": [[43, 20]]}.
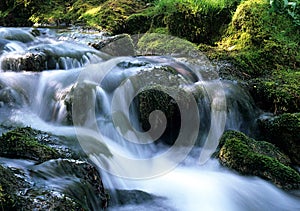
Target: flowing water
{"points": [[179, 177]]}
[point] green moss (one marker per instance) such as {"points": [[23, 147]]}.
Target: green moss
{"points": [[163, 44], [279, 93], [9, 184], [284, 132], [22, 143], [258, 158], [260, 41], [111, 15]]}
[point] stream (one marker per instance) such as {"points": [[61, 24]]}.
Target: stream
{"points": [[103, 89]]}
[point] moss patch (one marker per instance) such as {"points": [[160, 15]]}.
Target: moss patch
{"points": [[258, 158], [260, 41], [284, 132], [163, 44], [22, 143], [111, 15], [279, 93], [9, 184]]}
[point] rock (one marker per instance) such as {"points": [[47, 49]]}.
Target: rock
{"points": [[284, 132], [35, 62], [28, 143], [278, 93], [161, 84], [9, 185], [258, 158], [10, 97], [163, 44], [111, 15], [81, 179], [118, 45], [56, 184], [125, 197]]}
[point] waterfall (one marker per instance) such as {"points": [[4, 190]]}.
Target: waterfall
{"points": [[101, 95]]}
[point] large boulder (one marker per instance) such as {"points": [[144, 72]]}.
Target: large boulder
{"points": [[163, 93], [118, 45], [250, 157], [284, 132], [111, 14]]}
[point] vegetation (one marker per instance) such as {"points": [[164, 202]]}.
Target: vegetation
{"points": [[284, 132], [22, 143], [259, 158]]}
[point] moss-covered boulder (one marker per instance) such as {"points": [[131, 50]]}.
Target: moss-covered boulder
{"points": [[197, 25], [284, 132], [162, 93], [164, 44], [24, 143], [279, 93], [259, 40], [111, 14], [259, 158]]}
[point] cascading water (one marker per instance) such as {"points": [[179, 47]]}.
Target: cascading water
{"points": [[125, 156]]}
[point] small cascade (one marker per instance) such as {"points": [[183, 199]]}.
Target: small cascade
{"points": [[104, 98], [20, 51]]}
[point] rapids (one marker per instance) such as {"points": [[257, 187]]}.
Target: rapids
{"points": [[180, 177]]}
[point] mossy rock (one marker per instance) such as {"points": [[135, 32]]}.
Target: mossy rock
{"points": [[162, 93], [164, 44], [111, 14], [137, 23], [84, 180], [25, 190], [9, 184], [258, 158], [260, 41], [284, 132], [279, 93], [198, 26], [23, 143]]}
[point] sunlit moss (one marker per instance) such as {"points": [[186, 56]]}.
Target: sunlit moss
{"points": [[260, 41]]}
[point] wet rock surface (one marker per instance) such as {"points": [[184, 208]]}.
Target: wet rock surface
{"points": [[35, 175], [250, 157]]}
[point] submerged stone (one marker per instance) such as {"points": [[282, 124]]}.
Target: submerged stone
{"points": [[250, 157]]}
